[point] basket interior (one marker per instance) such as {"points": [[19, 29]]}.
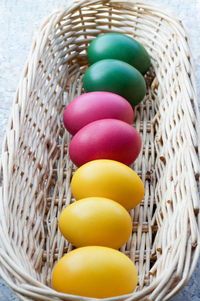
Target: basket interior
{"points": [[40, 169]]}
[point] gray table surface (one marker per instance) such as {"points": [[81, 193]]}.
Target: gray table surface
{"points": [[19, 19]]}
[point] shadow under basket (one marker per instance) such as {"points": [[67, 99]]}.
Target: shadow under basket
{"points": [[36, 169]]}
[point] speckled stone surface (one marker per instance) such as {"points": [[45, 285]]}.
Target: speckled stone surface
{"points": [[19, 19]]}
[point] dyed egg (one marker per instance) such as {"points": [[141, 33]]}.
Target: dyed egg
{"points": [[95, 221], [120, 47], [95, 272], [93, 106], [108, 179], [117, 77], [105, 139]]}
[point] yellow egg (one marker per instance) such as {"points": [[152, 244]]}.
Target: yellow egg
{"points": [[96, 272], [96, 221], [109, 179]]}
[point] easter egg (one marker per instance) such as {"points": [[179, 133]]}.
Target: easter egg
{"points": [[105, 139], [95, 272], [93, 106], [120, 47], [108, 179], [95, 221], [117, 77]]}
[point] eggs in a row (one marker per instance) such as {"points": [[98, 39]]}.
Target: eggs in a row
{"points": [[105, 187]]}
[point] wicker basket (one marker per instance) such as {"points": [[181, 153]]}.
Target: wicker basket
{"points": [[36, 168]]}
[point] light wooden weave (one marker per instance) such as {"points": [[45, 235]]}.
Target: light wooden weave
{"points": [[36, 169]]}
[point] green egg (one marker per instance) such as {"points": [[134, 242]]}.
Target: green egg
{"points": [[120, 47], [117, 77]]}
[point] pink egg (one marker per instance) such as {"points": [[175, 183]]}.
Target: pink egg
{"points": [[105, 139], [93, 106]]}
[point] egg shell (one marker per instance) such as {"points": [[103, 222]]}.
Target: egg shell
{"points": [[121, 47], [105, 139], [95, 272], [108, 179], [92, 106], [95, 221], [117, 77]]}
